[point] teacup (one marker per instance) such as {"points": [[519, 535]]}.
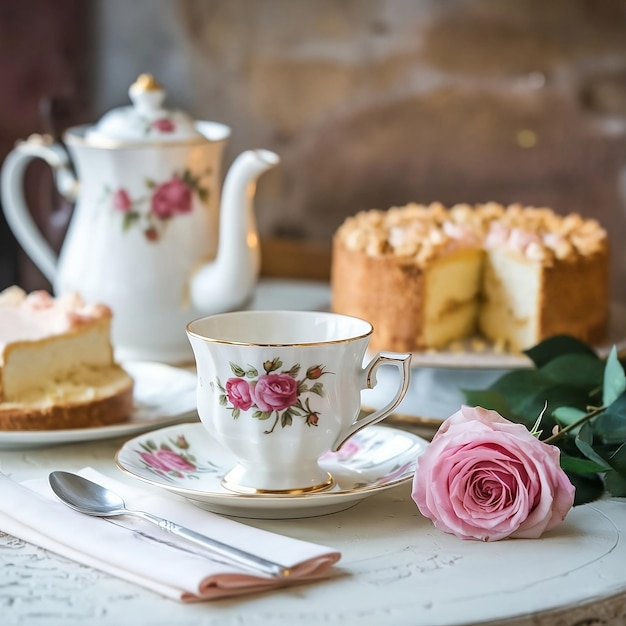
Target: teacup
{"points": [[279, 389]]}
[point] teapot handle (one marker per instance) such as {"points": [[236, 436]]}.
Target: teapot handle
{"points": [[14, 204]]}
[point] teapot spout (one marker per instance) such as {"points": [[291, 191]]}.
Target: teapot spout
{"points": [[227, 282]]}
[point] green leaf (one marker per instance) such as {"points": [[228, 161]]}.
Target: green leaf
{"points": [[580, 466], [187, 178], [615, 484], [566, 415], [588, 487], [203, 193], [236, 413], [618, 460], [488, 399], [614, 379], [555, 346], [610, 426], [252, 372], [556, 396], [260, 415], [584, 442], [286, 419], [236, 370], [129, 219], [318, 389], [550, 348], [575, 370]]}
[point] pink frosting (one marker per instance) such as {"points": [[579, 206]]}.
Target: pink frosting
{"points": [[38, 315]]}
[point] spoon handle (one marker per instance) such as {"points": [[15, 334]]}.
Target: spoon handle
{"points": [[241, 557]]}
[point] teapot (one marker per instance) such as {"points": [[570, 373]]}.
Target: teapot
{"points": [[148, 236]]}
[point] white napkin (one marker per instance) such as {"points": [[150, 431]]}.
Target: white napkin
{"points": [[127, 548]]}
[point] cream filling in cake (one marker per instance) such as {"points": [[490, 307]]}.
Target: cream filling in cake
{"points": [[451, 293]]}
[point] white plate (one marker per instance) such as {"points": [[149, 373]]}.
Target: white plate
{"points": [[163, 395], [193, 464]]}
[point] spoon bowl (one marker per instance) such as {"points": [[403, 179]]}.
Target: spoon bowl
{"points": [[85, 496], [90, 498]]}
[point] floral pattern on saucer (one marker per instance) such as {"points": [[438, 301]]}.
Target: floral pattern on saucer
{"points": [[171, 459], [184, 459]]}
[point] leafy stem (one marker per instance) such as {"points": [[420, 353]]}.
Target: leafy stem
{"points": [[573, 425]]}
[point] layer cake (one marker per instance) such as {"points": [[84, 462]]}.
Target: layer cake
{"points": [[427, 276]]}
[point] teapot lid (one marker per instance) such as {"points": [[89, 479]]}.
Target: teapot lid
{"points": [[146, 121]]}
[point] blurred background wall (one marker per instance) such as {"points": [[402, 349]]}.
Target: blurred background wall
{"points": [[370, 103]]}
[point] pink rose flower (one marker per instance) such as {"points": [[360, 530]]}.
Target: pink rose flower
{"points": [[239, 392], [121, 200], [274, 392], [164, 125], [167, 461], [484, 477], [171, 198]]}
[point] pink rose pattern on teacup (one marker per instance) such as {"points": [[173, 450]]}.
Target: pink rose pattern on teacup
{"points": [[239, 392], [278, 394], [167, 461], [164, 201], [484, 477]]}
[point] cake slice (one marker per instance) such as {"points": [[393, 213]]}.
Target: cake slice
{"points": [[57, 369]]}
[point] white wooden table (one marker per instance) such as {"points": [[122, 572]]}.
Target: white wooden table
{"points": [[396, 568]]}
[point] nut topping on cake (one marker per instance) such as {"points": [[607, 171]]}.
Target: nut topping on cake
{"points": [[425, 232]]}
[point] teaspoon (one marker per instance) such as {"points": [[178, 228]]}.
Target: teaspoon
{"points": [[90, 498]]}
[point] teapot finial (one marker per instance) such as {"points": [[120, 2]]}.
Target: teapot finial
{"points": [[147, 95], [146, 82]]}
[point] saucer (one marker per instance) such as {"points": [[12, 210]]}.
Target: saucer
{"points": [[184, 459]]}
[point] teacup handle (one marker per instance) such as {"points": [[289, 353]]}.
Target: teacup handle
{"points": [[403, 363], [16, 211]]}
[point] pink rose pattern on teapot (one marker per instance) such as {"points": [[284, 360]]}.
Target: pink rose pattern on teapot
{"points": [[164, 201], [273, 393]]}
